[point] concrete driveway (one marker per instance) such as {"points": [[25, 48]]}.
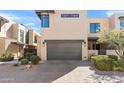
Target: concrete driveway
{"points": [[46, 72], [57, 72]]}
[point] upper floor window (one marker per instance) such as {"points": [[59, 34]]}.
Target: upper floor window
{"points": [[70, 15], [94, 27], [45, 21], [22, 36], [35, 39], [122, 24]]}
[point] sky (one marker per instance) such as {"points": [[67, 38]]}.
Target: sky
{"points": [[31, 20]]}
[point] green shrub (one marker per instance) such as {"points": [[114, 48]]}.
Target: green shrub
{"points": [[90, 55], [115, 63], [121, 64], [35, 59], [103, 62], [30, 50], [7, 56], [118, 65], [113, 57], [20, 58], [108, 63], [28, 55], [24, 61]]}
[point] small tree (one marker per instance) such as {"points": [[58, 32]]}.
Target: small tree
{"points": [[115, 40]]}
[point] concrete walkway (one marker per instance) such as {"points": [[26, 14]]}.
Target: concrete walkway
{"points": [[86, 75]]}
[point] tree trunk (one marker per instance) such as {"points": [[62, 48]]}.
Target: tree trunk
{"points": [[120, 55]]}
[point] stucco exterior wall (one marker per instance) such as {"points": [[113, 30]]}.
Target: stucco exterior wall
{"points": [[5, 27], [15, 32], [115, 21], [14, 48], [41, 48], [104, 25], [66, 28], [31, 37], [93, 52], [2, 45]]}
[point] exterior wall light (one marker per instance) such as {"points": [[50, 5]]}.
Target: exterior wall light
{"points": [[84, 42], [43, 42]]}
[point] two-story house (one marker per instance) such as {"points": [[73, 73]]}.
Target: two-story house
{"points": [[14, 37], [71, 35]]}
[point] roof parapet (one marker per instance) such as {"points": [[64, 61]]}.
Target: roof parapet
{"points": [[2, 18], [39, 12]]}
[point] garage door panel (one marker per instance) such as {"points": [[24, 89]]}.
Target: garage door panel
{"points": [[64, 50]]}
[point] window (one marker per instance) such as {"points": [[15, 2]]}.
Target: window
{"points": [[22, 36], [70, 15], [45, 21], [94, 27], [35, 39], [122, 24]]}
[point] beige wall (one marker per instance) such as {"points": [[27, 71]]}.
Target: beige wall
{"points": [[114, 21], [104, 25], [2, 45], [93, 52], [5, 28], [14, 48], [31, 37], [66, 28], [16, 32]]}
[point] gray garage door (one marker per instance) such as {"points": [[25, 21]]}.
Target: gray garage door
{"points": [[64, 50]]}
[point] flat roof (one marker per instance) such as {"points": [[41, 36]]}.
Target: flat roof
{"points": [[39, 12]]}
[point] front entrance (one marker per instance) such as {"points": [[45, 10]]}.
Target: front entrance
{"points": [[94, 45]]}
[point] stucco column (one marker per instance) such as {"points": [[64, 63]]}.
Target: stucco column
{"points": [[44, 50], [84, 50]]}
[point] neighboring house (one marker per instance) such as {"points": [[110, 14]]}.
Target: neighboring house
{"points": [[15, 38], [12, 37], [19, 34], [70, 34], [31, 39]]}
